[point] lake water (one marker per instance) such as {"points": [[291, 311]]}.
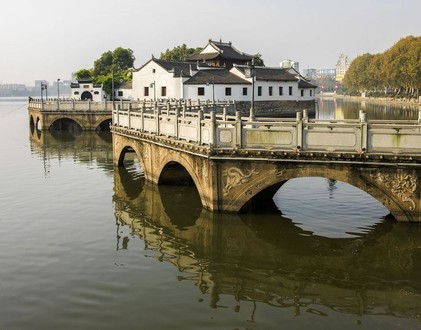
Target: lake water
{"points": [[87, 246]]}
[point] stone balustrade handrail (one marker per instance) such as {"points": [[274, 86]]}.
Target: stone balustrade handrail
{"points": [[166, 106], [300, 134]]}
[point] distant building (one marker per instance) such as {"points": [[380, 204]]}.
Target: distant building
{"points": [[316, 74], [341, 67], [85, 89], [287, 64]]}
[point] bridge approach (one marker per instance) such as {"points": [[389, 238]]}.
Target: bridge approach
{"points": [[236, 161]]}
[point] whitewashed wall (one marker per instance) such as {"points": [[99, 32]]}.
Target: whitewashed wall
{"points": [[146, 76]]}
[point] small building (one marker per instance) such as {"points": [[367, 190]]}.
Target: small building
{"points": [[84, 89], [221, 54], [124, 91]]}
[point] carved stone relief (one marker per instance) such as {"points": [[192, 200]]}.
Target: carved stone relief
{"points": [[401, 185], [235, 177]]}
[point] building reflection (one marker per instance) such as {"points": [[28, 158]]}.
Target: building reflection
{"points": [[267, 258]]}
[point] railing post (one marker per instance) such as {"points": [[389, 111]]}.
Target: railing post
{"points": [[184, 110], [299, 121], [238, 130], [177, 115], [128, 119], [305, 116], [199, 125], [419, 117], [224, 115], [142, 117], [157, 114], [212, 138], [364, 130], [117, 116]]}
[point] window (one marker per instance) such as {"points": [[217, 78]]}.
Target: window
{"points": [[245, 90], [311, 92], [85, 86], [270, 90], [96, 92], [290, 90], [153, 71], [120, 93], [146, 91], [76, 93], [302, 92], [281, 90], [163, 91], [201, 91], [259, 91], [227, 91]]}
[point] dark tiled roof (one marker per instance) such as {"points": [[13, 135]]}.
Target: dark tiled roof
{"points": [[202, 57], [223, 49], [216, 76], [269, 74], [85, 80], [305, 84], [178, 68], [125, 85]]}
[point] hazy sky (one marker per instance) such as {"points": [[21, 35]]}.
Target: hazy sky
{"points": [[50, 39]]}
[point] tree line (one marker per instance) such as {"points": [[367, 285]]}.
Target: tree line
{"points": [[111, 66], [395, 72]]}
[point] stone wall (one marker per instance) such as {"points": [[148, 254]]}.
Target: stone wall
{"points": [[276, 108]]}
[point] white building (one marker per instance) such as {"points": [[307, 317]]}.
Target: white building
{"points": [[159, 79], [85, 89]]}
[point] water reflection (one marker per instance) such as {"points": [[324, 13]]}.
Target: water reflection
{"points": [[267, 258], [340, 108], [82, 146]]}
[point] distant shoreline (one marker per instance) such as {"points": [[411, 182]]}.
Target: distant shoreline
{"points": [[378, 100]]}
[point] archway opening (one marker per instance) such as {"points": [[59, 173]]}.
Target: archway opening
{"points": [[176, 188], [86, 96], [66, 124], [130, 161], [174, 174], [38, 124], [328, 207], [104, 126]]}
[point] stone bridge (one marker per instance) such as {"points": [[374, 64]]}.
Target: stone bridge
{"points": [[69, 114], [235, 162]]}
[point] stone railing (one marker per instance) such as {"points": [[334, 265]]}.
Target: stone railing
{"points": [[301, 134], [63, 105]]}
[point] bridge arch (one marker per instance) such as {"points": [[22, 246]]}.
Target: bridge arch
{"points": [[104, 125], [195, 171], [66, 123], [380, 185]]}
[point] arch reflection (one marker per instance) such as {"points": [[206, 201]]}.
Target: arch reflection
{"points": [[266, 258]]}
